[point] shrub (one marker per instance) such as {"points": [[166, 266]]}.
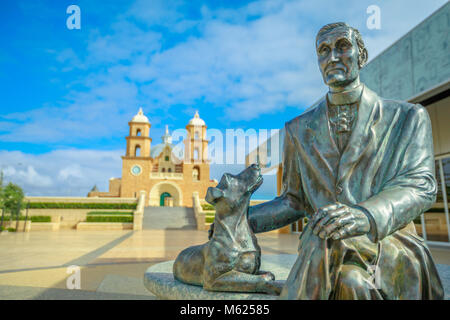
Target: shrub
{"points": [[63, 205], [107, 213], [207, 206], [108, 219], [11, 230], [31, 218], [38, 218], [209, 219]]}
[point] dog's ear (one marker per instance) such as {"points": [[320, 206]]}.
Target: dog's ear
{"points": [[213, 194]]}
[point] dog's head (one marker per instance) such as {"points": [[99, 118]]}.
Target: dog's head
{"points": [[234, 190]]}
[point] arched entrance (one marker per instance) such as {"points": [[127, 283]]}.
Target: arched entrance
{"points": [[163, 190], [163, 197]]}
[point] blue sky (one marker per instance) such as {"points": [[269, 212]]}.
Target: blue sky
{"points": [[67, 95]]}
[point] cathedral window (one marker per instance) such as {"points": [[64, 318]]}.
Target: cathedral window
{"points": [[196, 174], [138, 132], [137, 151], [196, 154], [167, 158]]}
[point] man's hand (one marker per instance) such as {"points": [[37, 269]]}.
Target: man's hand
{"points": [[339, 221]]}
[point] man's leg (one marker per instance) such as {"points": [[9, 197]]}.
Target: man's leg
{"points": [[354, 283]]}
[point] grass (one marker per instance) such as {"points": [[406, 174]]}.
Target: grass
{"points": [[109, 219]]}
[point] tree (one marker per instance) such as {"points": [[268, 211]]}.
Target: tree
{"points": [[1, 189], [12, 196]]}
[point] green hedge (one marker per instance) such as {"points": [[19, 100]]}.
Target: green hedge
{"points": [[207, 206], [209, 219], [31, 218], [39, 218], [62, 205], [109, 213], [108, 219]]}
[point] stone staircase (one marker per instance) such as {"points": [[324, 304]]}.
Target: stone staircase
{"points": [[169, 218]]}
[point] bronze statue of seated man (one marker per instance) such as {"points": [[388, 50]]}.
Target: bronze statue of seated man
{"points": [[361, 168]]}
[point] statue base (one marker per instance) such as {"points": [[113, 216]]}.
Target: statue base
{"points": [[159, 280]]}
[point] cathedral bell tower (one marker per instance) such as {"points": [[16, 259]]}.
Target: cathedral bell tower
{"points": [[196, 145], [138, 140]]}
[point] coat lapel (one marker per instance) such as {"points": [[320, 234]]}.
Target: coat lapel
{"points": [[336, 166], [323, 146], [363, 134]]}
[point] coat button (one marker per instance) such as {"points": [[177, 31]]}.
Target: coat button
{"points": [[339, 189]]}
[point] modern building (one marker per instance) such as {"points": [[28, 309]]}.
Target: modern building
{"points": [[167, 173], [416, 68]]}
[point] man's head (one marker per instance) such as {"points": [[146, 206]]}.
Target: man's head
{"points": [[341, 53]]}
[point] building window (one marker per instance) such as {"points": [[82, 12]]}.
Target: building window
{"points": [[163, 170], [169, 170], [137, 151], [433, 225], [167, 158], [138, 132], [196, 174], [196, 135], [196, 154]]}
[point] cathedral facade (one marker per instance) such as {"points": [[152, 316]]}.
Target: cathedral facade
{"points": [[168, 175]]}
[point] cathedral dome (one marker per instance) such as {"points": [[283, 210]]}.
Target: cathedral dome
{"points": [[140, 117], [196, 120]]}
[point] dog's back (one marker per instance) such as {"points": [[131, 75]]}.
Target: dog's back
{"points": [[189, 264]]}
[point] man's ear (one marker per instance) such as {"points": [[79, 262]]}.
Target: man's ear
{"points": [[213, 194]]}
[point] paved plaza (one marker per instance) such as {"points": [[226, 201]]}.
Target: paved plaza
{"points": [[112, 263]]}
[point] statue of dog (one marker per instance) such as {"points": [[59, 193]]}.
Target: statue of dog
{"points": [[231, 259]]}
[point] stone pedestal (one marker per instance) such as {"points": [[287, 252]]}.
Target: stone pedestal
{"points": [[158, 279]]}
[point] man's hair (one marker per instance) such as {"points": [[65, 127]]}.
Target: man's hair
{"points": [[363, 54]]}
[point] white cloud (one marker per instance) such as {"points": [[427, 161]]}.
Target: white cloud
{"points": [[62, 172], [247, 61]]}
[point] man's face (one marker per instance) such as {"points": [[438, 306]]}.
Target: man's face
{"points": [[337, 53]]}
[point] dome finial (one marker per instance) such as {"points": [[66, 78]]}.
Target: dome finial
{"points": [[140, 117], [196, 120], [167, 138]]}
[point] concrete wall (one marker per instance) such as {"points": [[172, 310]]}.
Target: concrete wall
{"points": [[415, 63], [68, 218], [80, 200]]}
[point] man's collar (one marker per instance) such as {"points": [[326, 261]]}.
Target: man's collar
{"points": [[345, 97]]}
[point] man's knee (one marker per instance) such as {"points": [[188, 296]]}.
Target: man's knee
{"points": [[352, 277]]}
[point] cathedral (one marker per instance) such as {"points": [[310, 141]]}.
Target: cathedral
{"points": [[168, 175]]}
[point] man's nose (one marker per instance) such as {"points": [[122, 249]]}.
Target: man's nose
{"points": [[334, 56]]}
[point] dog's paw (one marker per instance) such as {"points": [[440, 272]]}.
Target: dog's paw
{"points": [[272, 288], [267, 276]]}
